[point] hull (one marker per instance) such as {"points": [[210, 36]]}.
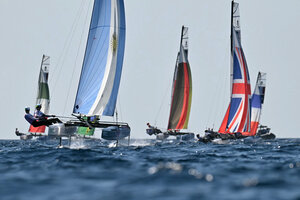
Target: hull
{"points": [[61, 130], [153, 131], [115, 132], [268, 136], [186, 137], [162, 136], [26, 137]]}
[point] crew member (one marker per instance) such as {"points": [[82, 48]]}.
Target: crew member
{"points": [[39, 121]]}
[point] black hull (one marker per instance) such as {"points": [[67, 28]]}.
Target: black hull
{"points": [[211, 135]]}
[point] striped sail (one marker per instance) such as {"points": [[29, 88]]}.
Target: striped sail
{"points": [[237, 117], [182, 87], [257, 100], [102, 66], [43, 96]]}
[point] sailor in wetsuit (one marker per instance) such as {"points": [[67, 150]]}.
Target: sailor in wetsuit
{"points": [[39, 114], [39, 121]]}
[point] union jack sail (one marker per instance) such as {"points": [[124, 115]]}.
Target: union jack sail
{"points": [[237, 117]]}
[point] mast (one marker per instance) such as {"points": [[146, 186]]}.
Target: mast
{"points": [[231, 27]]}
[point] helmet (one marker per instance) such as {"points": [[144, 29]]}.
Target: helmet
{"points": [[38, 106], [27, 109]]}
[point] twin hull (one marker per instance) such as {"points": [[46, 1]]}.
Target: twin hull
{"points": [[109, 133]]}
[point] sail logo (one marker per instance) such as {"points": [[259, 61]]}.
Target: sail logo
{"points": [[114, 43]]}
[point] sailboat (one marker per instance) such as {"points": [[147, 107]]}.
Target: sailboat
{"points": [[100, 76], [257, 101], [181, 99], [237, 120], [43, 98]]}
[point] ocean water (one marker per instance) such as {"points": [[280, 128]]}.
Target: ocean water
{"points": [[246, 169]]}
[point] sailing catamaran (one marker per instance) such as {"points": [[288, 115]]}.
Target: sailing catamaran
{"points": [[43, 98], [181, 96], [237, 120], [257, 100], [100, 76], [242, 116]]}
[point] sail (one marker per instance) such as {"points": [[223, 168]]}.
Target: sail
{"points": [[102, 66], [43, 96], [257, 100], [237, 117], [182, 88]]}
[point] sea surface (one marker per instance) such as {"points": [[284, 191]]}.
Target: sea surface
{"points": [[171, 170]]}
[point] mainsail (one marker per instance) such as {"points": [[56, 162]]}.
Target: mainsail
{"points": [[257, 100], [43, 96], [102, 66], [182, 87], [237, 117]]}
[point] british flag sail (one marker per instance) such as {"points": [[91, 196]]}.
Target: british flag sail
{"points": [[182, 87], [257, 100], [237, 117]]}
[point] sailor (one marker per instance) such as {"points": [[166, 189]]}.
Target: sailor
{"points": [[149, 126], [155, 129], [39, 121], [39, 114]]}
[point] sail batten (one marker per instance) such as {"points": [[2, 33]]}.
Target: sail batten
{"points": [[101, 71], [182, 87]]}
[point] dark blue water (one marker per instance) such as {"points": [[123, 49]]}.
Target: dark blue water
{"points": [[149, 170]]}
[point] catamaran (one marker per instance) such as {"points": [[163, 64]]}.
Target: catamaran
{"points": [[237, 120], [243, 113], [100, 76], [257, 101], [43, 98], [238, 116], [181, 96]]}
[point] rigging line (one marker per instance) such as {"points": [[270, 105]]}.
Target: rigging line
{"points": [[222, 95], [65, 48], [214, 96], [215, 104], [162, 102], [76, 59]]}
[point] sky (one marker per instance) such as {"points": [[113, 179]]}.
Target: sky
{"points": [[270, 39]]}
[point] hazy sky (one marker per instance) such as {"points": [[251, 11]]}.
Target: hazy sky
{"points": [[270, 39]]}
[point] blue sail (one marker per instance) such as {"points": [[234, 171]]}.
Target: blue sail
{"points": [[102, 66]]}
